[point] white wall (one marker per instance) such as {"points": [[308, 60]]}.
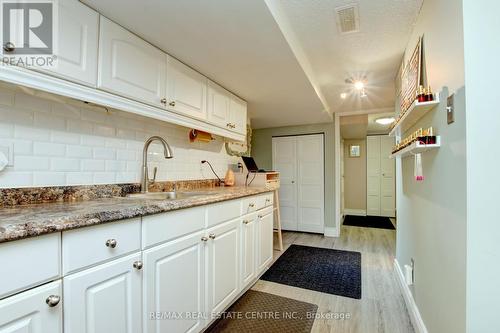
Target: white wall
{"points": [[432, 214], [482, 49], [71, 144]]}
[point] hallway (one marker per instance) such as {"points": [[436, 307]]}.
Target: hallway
{"points": [[381, 308]]}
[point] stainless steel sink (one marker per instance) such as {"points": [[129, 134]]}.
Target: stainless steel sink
{"points": [[166, 195]]}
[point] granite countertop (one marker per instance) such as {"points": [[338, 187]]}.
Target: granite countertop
{"points": [[31, 220]]}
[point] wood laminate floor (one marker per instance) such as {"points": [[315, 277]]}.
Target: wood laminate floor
{"points": [[381, 309]]}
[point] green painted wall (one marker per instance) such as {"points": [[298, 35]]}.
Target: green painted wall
{"points": [[262, 152]]}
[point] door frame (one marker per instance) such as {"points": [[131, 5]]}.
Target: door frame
{"points": [[326, 230]]}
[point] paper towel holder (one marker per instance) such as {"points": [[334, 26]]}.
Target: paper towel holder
{"points": [[197, 135]]}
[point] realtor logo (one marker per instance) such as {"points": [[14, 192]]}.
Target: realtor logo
{"points": [[28, 31]]}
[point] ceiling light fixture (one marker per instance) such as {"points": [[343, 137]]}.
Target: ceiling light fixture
{"points": [[343, 95], [385, 120], [359, 85]]}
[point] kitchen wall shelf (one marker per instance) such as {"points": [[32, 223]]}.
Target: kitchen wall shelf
{"points": [[415, 112], [417, 147]]}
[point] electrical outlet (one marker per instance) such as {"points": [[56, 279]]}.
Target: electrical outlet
{"points": [[450, 109], [8, 150]]}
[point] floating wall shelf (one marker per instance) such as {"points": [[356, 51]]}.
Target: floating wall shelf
{"points": [[416, 148], [415, 112]]}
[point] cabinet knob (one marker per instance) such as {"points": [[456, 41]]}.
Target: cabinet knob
{"points": [[260, 216], [53, 300], [111, 243], [268, 200], [246, 221], [172, 103], [204, 239], [138, 265], [163, 101], [9, 47], [251, 205], [293, 181], [211, 236], [228, 125]]}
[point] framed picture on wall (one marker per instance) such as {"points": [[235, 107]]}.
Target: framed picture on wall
{"points": [[354, 151]]}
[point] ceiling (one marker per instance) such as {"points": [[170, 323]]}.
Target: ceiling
{"points": [[285, 58], [329, 57], [359, 126], [236, 43]]}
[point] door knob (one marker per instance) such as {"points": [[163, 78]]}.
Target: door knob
{"points": [[138, 265], [111, 243], [9, 47], [53, 300]]}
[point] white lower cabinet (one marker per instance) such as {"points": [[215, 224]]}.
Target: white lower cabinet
{"points": [[265, 239], [223, 265], [248, 249], [174, 285], [105, 298], [38, 310]]}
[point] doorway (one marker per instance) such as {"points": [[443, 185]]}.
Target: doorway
{"points": [[300, 161]]}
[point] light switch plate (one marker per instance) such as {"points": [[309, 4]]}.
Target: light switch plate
{"points": [[450, 109], [8, 150]]}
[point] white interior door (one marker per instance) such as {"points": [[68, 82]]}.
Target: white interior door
{"points": [[342, 179], [285, 161], [300, 161], [387, 181], [373, 175], [310, 184]]}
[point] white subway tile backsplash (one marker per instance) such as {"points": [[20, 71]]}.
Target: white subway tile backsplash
{"points": [[31, 163], [49, 149], [59, 143], [65, 164]]}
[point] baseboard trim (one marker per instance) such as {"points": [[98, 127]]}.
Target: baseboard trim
{"points": [[355, 212], [416, 319], [331, 232]]}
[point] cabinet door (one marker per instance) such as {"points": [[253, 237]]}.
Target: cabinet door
{"points": [[248, 249], [223, 265], [77, 44], [186, 90], [106, 298], [218, 105], [265, 241], [238, 115], [29, 312], [174, 282], [129, 66]]}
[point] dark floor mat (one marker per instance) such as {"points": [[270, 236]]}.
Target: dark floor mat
{"points": [[258, 312], [369, 222], [325, 270]]}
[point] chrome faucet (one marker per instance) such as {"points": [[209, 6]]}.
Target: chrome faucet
{"points": [[167, 151]]}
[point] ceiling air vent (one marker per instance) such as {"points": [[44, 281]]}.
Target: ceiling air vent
{"points": [[347, 18]]}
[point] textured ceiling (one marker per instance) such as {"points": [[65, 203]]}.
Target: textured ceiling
{"points": [[237, 43], [359, 126], [329, 57]]}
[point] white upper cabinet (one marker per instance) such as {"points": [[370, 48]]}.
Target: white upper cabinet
{"points": [[129, 66], [77, 43], [238, 115], [186, 90], [219, 100]]}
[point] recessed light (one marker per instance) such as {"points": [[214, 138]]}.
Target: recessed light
{"points": [[343, 95], [359, 85], [385, 120]]}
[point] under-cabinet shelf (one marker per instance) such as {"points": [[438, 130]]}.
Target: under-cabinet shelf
{"points": [[415, 112], [416, 148]]}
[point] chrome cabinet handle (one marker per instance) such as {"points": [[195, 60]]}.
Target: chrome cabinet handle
{"points": [[246, 221], [53, 300], [172, 103], [9, 47], [204, 239], [212, 236], [260, 216], [251, 205], [111, 243], [138, 265], [163, 101]]}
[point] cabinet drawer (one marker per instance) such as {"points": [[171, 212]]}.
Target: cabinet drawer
{"points": [[29, 262], [223, 211], [92, 245], [163, 227], [265, 200], [249, 205]]}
